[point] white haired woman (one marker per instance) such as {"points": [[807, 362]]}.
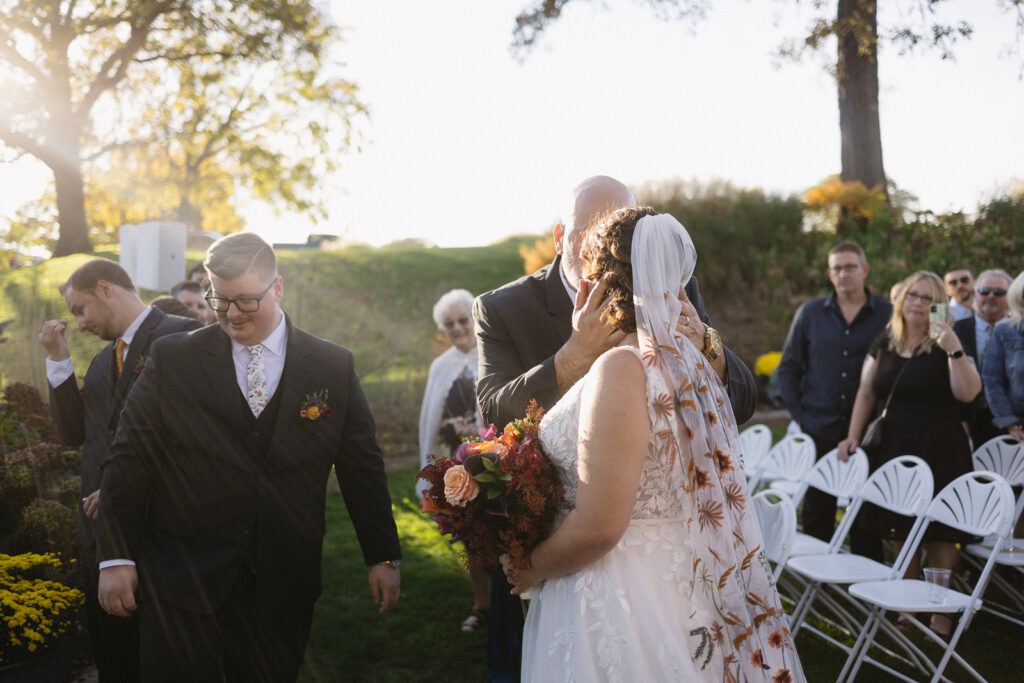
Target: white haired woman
{"points": [[449, 412]]}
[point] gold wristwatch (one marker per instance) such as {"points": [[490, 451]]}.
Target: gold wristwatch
{"points": [[391, 563], [712, 343]]}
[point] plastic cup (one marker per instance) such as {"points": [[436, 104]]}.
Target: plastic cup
{"points": [[938, 584]]}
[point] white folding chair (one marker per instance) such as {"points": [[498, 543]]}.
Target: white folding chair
{"points": [[1003, 455], [903, 485], [834, 477], [789, 459], [776, 516], [977, 503], [755, 441]]}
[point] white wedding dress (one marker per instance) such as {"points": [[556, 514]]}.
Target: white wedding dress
{"points": [[687, 593], [622, 618]]}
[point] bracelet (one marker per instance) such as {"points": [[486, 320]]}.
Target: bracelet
{"points": [[393, 564], [1012, 427], [956, 354]]}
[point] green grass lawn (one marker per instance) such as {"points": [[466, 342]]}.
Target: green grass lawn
{"points": [[420, 639]]}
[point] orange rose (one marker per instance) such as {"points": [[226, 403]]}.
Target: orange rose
{"points": [[459, 486]]}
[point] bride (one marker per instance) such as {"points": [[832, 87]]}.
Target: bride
{"points": [[655, 572]]}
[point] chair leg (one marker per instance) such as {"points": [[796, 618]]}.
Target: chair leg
{"points": [[805, 602], [863, 642]]}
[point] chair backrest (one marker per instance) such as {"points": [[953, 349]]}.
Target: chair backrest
{"points": [[789, 459], [978, 503], [776, 515], [755, 441], [1003, 455], [835, 477], [903, 485]]}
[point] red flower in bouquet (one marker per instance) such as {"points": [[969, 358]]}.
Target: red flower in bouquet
{"points": [[497, 493]]}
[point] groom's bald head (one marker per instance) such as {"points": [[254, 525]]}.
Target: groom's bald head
{"points": [[592, 199]]}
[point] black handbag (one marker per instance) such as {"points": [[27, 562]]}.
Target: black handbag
{"points": [[872, 437]]}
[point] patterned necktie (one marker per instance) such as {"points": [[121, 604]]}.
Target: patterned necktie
{"points": [[119, 347], [256, 380]]}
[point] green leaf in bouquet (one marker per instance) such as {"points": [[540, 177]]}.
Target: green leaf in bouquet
{"points": [[486, 477], [488, 464], [493, 493]]}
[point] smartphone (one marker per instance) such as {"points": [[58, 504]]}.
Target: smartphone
{"points": [[938, 312]]}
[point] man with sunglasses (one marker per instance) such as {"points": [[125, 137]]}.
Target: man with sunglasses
{"points": [[217, 480], [960, 287], [975, 332]]}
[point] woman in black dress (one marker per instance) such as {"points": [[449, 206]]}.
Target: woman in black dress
{"points": [[922, 419]]}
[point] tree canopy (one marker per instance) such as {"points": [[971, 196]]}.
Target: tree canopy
{"points": [[202, 87]]}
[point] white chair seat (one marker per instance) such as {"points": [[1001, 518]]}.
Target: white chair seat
{"points": [[1006, 557], [808, 545], [838, 568], [908, 595]]}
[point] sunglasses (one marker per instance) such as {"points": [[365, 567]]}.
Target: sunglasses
{"points": [[962, 280], [994, 291]]}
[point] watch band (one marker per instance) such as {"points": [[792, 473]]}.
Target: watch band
{"points": [[956, 354], [391, 563]]}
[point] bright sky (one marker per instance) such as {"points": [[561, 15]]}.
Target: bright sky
{"points": [[466, 146]]}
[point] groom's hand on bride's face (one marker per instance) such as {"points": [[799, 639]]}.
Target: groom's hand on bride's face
{"points": [[589, 333]]}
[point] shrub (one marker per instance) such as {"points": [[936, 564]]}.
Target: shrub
{"points": [[36, 610]]}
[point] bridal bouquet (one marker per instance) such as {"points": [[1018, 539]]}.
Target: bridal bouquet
{"points": [[497, 493]]}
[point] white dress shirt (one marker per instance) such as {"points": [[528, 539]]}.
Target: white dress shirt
{"points": [[57, 372], [273, 359]]}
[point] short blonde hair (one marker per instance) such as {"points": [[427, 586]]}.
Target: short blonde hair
{"points": [[235, 255]]}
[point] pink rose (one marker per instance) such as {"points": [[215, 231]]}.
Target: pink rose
{"points": [[459, 486]]}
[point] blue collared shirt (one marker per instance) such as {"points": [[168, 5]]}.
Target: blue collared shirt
{"points": [[821, 362]]}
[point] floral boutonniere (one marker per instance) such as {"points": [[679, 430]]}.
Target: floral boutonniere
{"points": [[141, 364], [315, 406]]}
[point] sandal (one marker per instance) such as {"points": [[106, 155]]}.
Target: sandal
{"points": [[476, 620]]}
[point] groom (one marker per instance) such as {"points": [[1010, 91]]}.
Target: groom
{"points": [[531, 347], [213, 497]]}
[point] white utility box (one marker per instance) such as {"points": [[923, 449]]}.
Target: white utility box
{"points": [[153, 253]]}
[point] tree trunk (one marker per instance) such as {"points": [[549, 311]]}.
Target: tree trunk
{"points": [[74, 231], [857, 81]]}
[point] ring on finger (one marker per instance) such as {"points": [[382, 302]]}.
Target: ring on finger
{"points": [[686, 320]]}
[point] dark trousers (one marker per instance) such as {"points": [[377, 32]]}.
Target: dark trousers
{"points": [[504, 632], [819, 509], [114, 640], [243, 641]]}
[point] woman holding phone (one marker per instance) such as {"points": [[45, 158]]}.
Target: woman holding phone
{"points": [[919, 360]]}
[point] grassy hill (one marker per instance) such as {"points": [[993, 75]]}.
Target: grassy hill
{"points": [[377, 302]]}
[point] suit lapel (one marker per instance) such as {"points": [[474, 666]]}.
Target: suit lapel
{"points": [[559, 305], [221, 388], [136, 352], [296, 380]]}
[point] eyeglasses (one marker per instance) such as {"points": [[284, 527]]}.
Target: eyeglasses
{"points": [[245, 304], [848, 268], [926, 298], [449, 324], [963, 280], [994, 291]]}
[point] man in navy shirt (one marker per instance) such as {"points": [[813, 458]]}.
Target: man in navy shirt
{"points": [[821, 362]]}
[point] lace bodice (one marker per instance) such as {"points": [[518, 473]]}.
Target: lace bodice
{"points": [[559, 434]]}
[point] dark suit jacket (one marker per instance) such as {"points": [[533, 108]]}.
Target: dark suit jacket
{"points": [[88, 417], [976, 413], [521, 326], [188, 500]]}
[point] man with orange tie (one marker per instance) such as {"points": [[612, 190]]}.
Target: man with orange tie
{"points": [[102, 297]]}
